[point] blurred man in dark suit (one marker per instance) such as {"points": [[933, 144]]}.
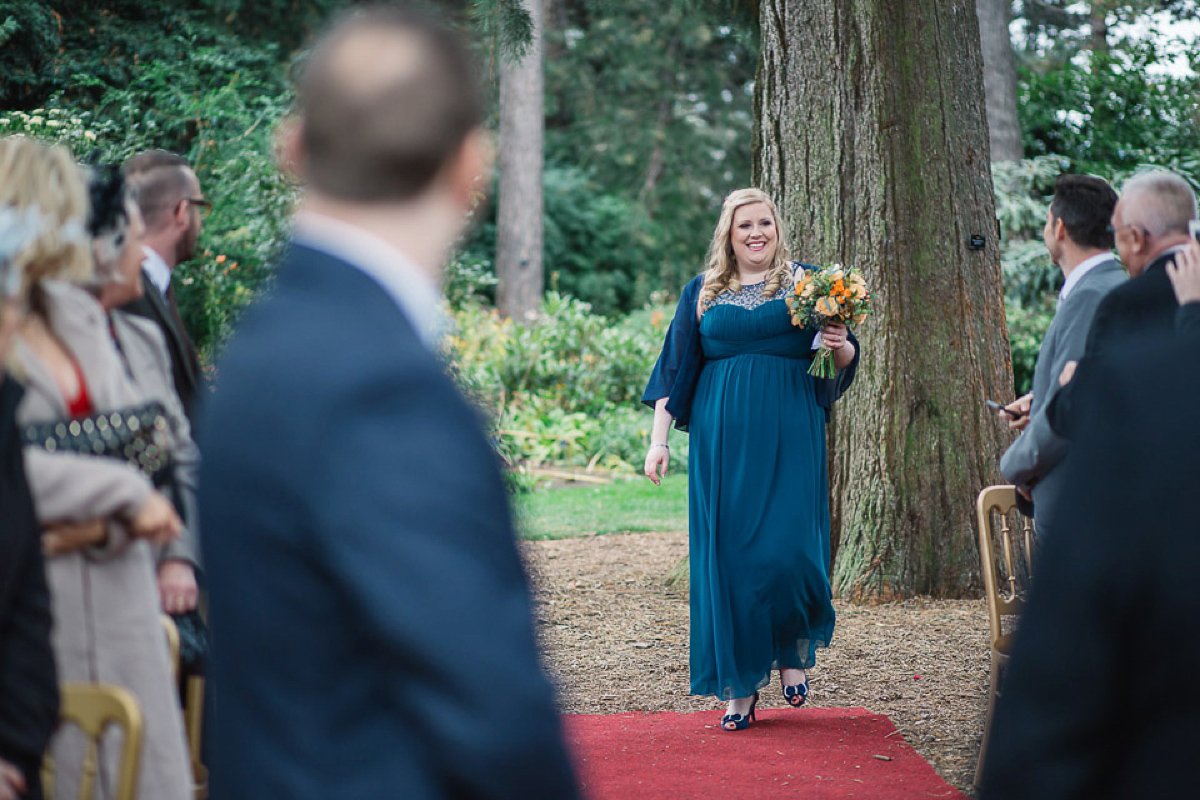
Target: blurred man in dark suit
{"points": [[1101, 697], [373, 627]]}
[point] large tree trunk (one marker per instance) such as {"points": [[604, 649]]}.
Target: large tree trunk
{"points": [[871, 133], [1098, 26], [519, 197], [999, 79]]}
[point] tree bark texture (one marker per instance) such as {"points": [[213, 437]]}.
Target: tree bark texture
{"points": [[1098, 26], [872, 135], [519, 197], [999, 79]]}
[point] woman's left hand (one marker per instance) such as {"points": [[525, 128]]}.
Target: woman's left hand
{"points": [[834, 336], [67, 537]]}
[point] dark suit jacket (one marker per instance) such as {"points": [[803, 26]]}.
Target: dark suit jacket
{"points": [[373, 633], [1101, 698], [185, 364], [28, 682], [1187, 320], [1142, 306]]}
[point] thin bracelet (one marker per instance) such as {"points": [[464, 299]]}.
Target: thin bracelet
{"points": [[656, 444]]}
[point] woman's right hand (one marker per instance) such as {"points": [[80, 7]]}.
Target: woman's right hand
{"points": [[156, 520], [657, 460]]}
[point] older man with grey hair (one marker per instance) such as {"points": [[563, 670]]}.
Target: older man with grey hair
{"points": [[1150, 225]]}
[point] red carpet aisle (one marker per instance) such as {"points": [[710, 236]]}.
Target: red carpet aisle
{"points": [[817, 753]]}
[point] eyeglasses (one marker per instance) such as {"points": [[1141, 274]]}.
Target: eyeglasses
{"points": [[1114, 231], [205, 206]]}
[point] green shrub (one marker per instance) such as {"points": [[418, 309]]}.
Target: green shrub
{"points": [[564, 390]]}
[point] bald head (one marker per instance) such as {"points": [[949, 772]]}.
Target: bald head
{"points": [[1161, 202], [386, 99]]}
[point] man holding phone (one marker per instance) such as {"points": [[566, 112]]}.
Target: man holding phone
{"points": [[1079, 241]]}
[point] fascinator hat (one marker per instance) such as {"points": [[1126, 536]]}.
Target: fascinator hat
{"points": [[108, 219], [18, 229]]}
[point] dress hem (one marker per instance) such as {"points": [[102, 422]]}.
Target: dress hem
{"points": [[726, 694]]}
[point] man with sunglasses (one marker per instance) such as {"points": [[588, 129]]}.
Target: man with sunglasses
{"points": [[1150, 226]]}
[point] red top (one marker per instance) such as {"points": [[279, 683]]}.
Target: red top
{"points": [[81, 404]]}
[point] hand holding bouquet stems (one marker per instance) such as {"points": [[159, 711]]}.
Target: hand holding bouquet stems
{"points": [[829, 295]]}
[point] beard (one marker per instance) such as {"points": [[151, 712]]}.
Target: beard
{"points": [[185, 250]]}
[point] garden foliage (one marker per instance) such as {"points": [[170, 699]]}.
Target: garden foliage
{"points": [[565, 389]]}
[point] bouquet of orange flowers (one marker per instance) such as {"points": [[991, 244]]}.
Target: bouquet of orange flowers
{"points": [[822, 296]]}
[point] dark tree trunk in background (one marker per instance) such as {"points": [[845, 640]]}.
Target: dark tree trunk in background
{"points": [[519, 197], [999, 79], [1098, 26], [871, 134]]}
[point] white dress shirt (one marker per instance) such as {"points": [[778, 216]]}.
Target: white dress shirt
{"points": [[156, 269], [409, 286]]}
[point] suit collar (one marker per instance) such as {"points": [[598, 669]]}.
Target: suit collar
{"points": [[1081, 271], [408, 286], [1166, 257]]}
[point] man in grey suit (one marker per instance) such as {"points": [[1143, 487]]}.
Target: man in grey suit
{"points": [[1080, 243]]}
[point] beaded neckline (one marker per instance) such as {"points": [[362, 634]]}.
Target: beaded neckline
{"points": [[749, 297]]}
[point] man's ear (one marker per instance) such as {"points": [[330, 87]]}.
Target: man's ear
{"points": [[470, 171], [1060, 230], [289, 148], [181, 213]]}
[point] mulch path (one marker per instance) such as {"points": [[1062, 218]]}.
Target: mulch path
{"points": [[615, 637]]}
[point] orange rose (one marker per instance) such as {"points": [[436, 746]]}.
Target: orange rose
{"points": [[826, 307]]}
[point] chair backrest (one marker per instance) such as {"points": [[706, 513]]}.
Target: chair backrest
{"points": [[92, 707], [1006, 548]]}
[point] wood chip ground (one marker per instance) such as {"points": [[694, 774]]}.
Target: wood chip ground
{"points": [[616, 639]]}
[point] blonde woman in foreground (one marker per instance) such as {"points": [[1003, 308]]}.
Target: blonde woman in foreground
{"points": [[102, 589]]}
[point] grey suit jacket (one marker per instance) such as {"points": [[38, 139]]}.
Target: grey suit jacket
{"points": [[1031, 459]]}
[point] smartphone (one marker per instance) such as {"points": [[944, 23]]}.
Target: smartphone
{"points": [[1002, 409], [1194, 227]]}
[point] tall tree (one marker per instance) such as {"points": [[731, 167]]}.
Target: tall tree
{"points": [[519, 196], [999, 79], [871, 133]]}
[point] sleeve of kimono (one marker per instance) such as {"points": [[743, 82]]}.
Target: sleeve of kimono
{"points": [[675, 347]]}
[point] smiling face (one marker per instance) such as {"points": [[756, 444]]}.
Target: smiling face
{"points": [[754, 237]]}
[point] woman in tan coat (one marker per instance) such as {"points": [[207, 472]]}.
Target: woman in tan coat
{"points": [[103, 596]]}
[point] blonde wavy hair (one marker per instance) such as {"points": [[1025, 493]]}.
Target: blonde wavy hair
{"points": [[721, 269], [47, 178]]}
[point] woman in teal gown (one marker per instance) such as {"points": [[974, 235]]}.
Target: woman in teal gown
{"points": [[734, 373]]}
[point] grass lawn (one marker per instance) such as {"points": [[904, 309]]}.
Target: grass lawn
{"points": [[622, 506]]}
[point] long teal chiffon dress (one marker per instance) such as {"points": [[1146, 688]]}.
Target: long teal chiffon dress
{"points": [[758, 501]]}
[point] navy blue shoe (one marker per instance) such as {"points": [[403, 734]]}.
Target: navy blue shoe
{"points": [[739, 722], [796, 695]]}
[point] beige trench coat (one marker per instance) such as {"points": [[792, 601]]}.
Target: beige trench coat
{"points": [[104, 601]]}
